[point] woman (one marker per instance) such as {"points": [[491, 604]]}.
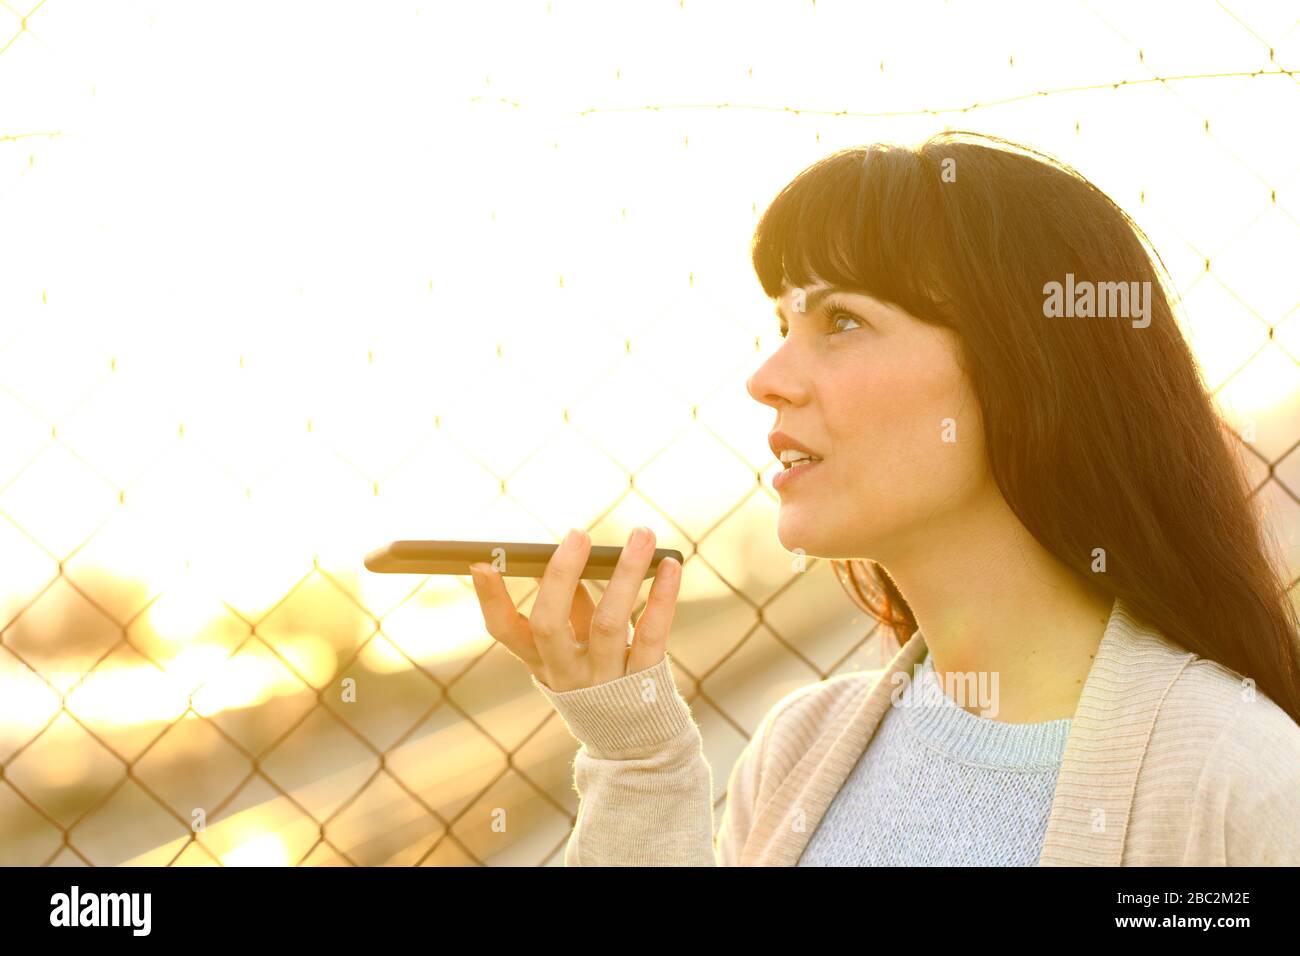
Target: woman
{"points": [[1009, 454]]}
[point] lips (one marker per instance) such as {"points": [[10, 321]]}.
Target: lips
{"points": [[793, 459], [794, 472], [779, 441]]}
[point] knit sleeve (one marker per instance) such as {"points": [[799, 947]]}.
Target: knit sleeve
{"points": [[645, 791], [1248, 796], [1263, 822]]}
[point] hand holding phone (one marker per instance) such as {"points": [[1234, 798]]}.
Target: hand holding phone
{"points": [[570, 641]]}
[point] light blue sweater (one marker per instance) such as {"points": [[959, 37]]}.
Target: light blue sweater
{"points": [[941, 786]]}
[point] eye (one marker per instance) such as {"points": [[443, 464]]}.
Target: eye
{"points": [[836, 314]]}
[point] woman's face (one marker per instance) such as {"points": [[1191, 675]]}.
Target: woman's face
{"points": [[880, 397]]}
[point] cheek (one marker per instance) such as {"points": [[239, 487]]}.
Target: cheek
{"points": [[912, 433]]}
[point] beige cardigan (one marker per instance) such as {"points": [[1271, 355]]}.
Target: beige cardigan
{"points": [[1171, 760]]}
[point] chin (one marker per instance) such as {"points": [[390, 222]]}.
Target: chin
{"points": [[798, 527]]}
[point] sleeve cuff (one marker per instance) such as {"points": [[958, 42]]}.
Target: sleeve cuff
{"points": [[632, 713]]}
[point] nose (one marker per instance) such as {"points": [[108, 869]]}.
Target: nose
{"points": [[777, 381]]}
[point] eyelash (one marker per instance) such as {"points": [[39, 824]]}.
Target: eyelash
{"points": [[833, 311]]}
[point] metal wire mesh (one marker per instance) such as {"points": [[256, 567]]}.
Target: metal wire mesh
{"points": [[436, 752]]}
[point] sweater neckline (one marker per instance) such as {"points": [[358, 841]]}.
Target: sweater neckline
{"points": [[939, 721], [1136, 665]]}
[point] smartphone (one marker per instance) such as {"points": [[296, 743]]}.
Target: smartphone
{"points": [[511, 558]]}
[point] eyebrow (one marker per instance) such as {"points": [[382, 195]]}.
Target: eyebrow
{"points": [[812, 300]]}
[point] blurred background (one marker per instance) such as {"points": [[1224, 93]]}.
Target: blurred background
{"points": [[280, 283]]}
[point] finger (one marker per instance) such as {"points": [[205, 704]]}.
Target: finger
{"points": [[502, 618], [610, 623], [552, 631], [650, 639]]}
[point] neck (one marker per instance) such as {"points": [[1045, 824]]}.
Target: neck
{"points": [[990, 600]]}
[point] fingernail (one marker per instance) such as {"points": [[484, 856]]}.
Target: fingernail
{"points": [[572, 538]]}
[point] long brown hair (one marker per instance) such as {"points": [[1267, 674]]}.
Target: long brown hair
{"points": [[1100, 433]]}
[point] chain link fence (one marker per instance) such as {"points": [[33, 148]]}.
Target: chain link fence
{"points": [[198, 670]]}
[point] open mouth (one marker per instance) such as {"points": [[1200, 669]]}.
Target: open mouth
{"points": [[799, 463], [792, 458], [793, 469]]}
